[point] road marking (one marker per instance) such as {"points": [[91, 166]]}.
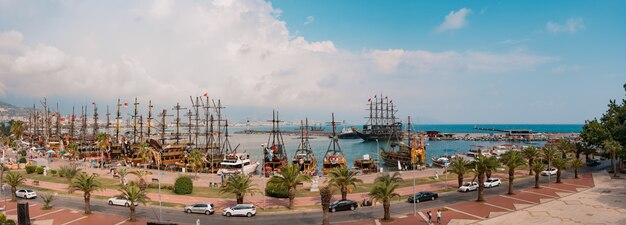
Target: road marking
{"points": [[577, 185], [11, 210], [492, 205], [519, 199], [75, 220], [423, 216], [124, 221], [469, 214], [375, 221], [45, 214], [537, 193], [558, 189]]}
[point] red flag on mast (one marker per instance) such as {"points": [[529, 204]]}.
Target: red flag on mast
{"points": [[126, 105], [205, 94]]}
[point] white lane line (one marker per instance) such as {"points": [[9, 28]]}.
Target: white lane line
{"points": [[558, 189], [75, 220], [522, 200], [499, 207], [123, 221], [469, 214], [537, 193], [45, 214]]}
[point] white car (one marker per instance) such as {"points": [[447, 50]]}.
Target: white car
{"points": [[492, 182], [25, 193], [551, 171], [469, 186], [240, 210], [120, 201]]}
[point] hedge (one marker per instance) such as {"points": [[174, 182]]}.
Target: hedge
{"points": [[22, 160], [39, 170], [276, 191], [30, 169], [183, 185]]}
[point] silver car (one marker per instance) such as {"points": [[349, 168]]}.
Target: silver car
{"points": [[203, 207]]}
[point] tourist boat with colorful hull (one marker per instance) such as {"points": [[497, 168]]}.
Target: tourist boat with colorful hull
{"points": [[274, 151], [304, 157], [334, 157], [405, 155]]}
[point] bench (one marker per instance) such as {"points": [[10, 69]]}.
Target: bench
{"points": [[36, 182], [155, 179]]}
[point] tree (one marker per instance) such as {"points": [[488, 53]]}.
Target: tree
{"points": [[122, 172], [560, 164], [613, 147], [196, 160], [384, 190], [537, 167], [512, 159], [86, 184], [576, 164], [326, 193], [69, 172], [341, 178], [240, 185], [289, 178], [72, 149], [480, 167], [103, 144], [47, 199], [582, 147], [458, 166], [548, 153], [531, 154], [134, 195], [147, 154], [17, 129], [565, 146], [141, 177], [14, 180]]}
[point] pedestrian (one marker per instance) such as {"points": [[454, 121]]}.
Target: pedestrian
{"points": [[430, 216], [439, 216]]}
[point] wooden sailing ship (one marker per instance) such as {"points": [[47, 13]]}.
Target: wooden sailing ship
{"points": [[382, 123], [304, 157], [334, 157], [274, 152], [405, 155]]}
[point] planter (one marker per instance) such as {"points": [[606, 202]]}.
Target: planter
{"points": [[22, 165]]}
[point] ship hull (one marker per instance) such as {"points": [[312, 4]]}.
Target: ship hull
{"points": [[397, 136]]}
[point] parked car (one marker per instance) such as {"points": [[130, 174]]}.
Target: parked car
{"points": [[120, 201], [25, 193], [340, 205], [550, 171], [240, 210], [469, 186], [492, 182], [423, 196], [203, 207], [593, 162]]}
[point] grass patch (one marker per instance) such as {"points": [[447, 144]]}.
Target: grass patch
{"points": [[198, 191], [106, 182]]}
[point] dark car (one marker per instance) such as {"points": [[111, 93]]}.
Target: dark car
{"points": [[423, 196], [593, 162], [340, 205]]}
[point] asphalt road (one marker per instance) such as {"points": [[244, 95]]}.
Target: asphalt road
{"points": [[310, 217]]}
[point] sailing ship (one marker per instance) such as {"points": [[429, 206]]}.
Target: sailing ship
{"points": [[382, 123], [304, 157], [405, 155], [233, 162], [274, 152], [334, 157]]}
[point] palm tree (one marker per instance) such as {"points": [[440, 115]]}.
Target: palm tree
{"points": [[326, 193], [459, 166], [341, 178], [133, 194], [69, 172], [537, 167], [47, 198], [141, 176], [289, 178], [512, 159], [560, 164], [576, 164], [146, 153], [531, 154], [103, 143], [86, 184], [549, 153], [72, 149], [14, 180], [196, 160], [240, 185], [17, 129], [122, 172], [480, 167], [612, 147], [565, 146], [385, 189]]}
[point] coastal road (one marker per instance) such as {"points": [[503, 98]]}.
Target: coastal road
{"points": [[309, 217]]}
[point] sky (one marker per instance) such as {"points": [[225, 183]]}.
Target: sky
{"points": [[449, 62]]}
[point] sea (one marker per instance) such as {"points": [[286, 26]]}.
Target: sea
{"points": [[356, 148]]}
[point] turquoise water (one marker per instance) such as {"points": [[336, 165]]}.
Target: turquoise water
{"points": [[460, 128]]}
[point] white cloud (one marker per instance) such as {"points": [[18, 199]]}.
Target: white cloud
{"points": [[572, 25], [309, 20], [454, 20]]}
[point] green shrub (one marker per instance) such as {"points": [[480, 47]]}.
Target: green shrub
{"points": [[22, 160], [22, 153], [10, 222], [30, 169], [276, 191], [53, 172], [183, 185], [39, 170], [3, 218]]}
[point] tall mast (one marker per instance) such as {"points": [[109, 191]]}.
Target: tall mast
{"points": [[149, 118], [107, 126], [95, 120], [163, 126], [117, 121], [135, 121], [207, 113], [83, 125], [140, 128], [58, 122], [177, 135], [409, 128], [72, 119], [197, 105], [386, 111], [189, 114]]}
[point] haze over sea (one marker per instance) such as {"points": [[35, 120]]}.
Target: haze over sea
{"points": [[356, 148]]}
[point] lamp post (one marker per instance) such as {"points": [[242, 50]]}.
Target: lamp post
{"points": [[378, 156], [414, 206]]}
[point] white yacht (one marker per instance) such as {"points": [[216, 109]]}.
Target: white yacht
{"points": [[237, 163]]}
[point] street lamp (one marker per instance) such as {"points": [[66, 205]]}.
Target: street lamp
{"points": [[380, 169], [414, 206]]}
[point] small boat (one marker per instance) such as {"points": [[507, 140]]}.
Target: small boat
{"points": [[366, 164], [348, 133], [304, 157], [237, 163], [442, 161], [334, 157]]}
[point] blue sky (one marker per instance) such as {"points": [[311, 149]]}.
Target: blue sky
{"points": [[442, 61]]}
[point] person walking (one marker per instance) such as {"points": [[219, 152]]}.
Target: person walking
{"points": [[439, 216], [430, 216]]}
